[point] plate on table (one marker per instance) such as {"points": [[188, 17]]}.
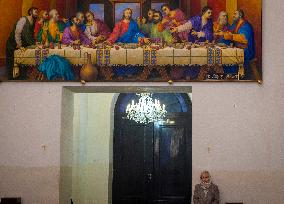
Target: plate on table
{"points": [[130, 46], [178, 45], [222, 45]]}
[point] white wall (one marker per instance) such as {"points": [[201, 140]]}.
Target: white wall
{"points": [[66, 146], [30, 124], [92, 163], [241, 123]]}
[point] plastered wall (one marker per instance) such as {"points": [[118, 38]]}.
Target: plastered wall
{"points": [[92, 157], [238, 131]]}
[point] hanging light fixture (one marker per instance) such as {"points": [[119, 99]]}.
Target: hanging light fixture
{"points": [[147, 109]]}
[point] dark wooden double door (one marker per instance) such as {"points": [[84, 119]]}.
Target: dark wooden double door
{"points": [[152, 163]]}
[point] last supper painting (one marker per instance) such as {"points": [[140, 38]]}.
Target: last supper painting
{"points": [[131, 40]]}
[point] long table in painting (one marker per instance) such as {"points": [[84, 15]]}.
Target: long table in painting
{"points": [[148, 58]]}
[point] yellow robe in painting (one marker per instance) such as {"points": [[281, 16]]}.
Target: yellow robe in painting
{"points": [[53, 31]]}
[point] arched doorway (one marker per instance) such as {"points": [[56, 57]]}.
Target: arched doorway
{"points": [[152, 162]]}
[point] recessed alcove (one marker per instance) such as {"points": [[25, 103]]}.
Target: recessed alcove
{"points": [[86, 144]]}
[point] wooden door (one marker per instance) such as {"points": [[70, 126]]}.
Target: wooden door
{"points": [[132, 162], [152, 163], [172, 161]]}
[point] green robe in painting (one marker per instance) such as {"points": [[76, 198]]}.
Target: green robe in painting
{"points": [[27, 38], [146, 29], [58, 38], [165, 34]]}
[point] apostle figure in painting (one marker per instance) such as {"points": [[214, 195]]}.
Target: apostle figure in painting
{"points": [[146, 24], [242, 35], [200, 27], [221, 26], [174, 18], [40, 23], [73, 35], [150, 15], [54, 28], [157, 30], [21, 36], [96, 30], [127, 30], [81, 17]]}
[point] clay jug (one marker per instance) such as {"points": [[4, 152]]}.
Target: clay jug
{"points": [[88, 71]]}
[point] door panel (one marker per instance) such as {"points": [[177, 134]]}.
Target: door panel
{"points": [[152, 162], [172, 184], [171, 162], [132, 144]]}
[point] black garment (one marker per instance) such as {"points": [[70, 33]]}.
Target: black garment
{"points": [[27, 37]]}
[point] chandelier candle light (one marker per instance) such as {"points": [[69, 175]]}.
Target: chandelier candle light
{"points": [[147, 110]]}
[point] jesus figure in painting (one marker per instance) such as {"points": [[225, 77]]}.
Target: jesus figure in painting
{"points": [[127, 30]]}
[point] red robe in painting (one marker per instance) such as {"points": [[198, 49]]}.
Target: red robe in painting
{"points": [[177, 19], [120, 28]]}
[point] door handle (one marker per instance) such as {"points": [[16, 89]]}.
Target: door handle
{"points": [[150, 176]]}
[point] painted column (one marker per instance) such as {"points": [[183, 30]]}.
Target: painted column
{"points": [[52, 4], [217, 6], [185, 6], [42, 5], [195, 7], [231, 7], [202, 4], [25, 6]]}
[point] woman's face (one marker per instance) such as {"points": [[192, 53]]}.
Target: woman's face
{"points": [[89, 17], [166, 10], [205, 177]]}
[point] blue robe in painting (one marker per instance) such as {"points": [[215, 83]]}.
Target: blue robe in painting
{"points": [[57, 68], [196, 22], [246, 30], [132, 35]]}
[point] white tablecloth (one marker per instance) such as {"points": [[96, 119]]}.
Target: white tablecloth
{"points": [[138, 56]]}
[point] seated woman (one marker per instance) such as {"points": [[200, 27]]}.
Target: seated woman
{"points": [[206, 192]]}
